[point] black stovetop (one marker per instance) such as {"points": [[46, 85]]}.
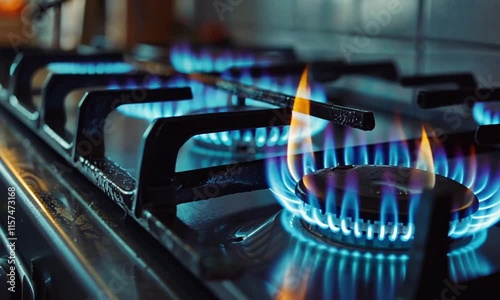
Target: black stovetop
{"points": [[206, 212]]}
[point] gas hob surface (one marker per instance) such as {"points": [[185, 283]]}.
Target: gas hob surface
{"points": [[174, 192]]}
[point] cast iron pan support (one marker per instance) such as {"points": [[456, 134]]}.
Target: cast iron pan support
{"points": [[58, 86], [463, 80], [97, 105], [488, 135], [160, 184], [157, 182], [26, 64]]}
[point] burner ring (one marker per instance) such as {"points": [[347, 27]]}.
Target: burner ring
{"points": [[241, 142], [363, 241], [367, 217], [373, 179]]}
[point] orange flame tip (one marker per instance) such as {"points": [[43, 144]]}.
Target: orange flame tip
{"points": [[299, 138]]}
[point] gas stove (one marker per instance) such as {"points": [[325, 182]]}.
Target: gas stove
{"points": [[243, 172]]}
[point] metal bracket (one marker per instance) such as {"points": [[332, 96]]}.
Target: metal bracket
{"points": [[163, 140]]}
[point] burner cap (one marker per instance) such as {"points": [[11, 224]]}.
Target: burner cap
{"points": [[357, 204], [373, 181]]}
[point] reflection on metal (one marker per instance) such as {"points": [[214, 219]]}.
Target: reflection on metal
{"points": [[466, 262], [81, 225], [90, 68], [319, 269], [32, 187]]}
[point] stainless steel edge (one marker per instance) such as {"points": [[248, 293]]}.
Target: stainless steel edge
{"points": [[88, 232]]}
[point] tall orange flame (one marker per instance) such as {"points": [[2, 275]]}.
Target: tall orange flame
{"points": [[300, 125], [425, 160]]}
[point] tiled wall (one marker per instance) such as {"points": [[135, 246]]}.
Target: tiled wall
{"points": [[463, 35], [421, 35]]}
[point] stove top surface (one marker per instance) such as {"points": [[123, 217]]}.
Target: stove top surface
{"points": [[212, 217]]}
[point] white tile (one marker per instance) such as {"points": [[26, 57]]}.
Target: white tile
{"points": [[484, 63], [389, 17], [334, 15], [467, 20]]}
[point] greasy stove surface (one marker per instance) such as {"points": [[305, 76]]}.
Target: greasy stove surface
{"points": [[77, 228], [242, 245]]}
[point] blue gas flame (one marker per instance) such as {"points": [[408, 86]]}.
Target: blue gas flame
{"points": [[345, 271], [90, 68], [486, 113], [207, 99], [480, 176], [188, 59], [339, 271]]}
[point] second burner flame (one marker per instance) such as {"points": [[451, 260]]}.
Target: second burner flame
{"points": [[425, 161]]}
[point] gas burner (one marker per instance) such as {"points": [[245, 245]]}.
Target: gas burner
{"points": [[380, 185], [240, 142], [386, 195], [323, 258], [188, 58], [90, 68], [486, 113], [207, 99]]}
